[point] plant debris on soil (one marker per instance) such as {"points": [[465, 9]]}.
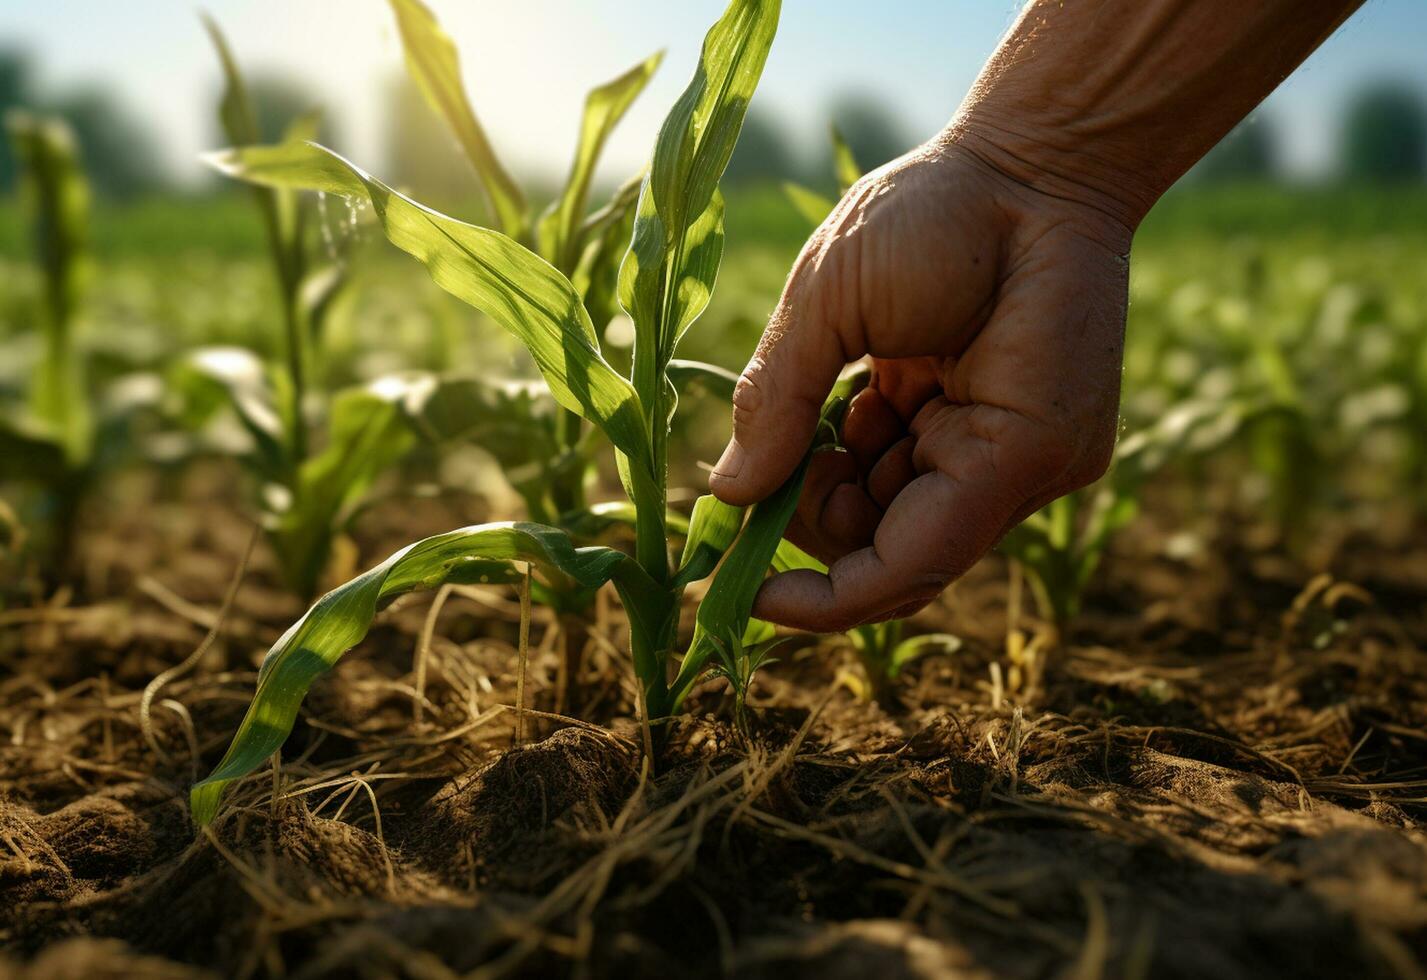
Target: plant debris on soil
{"points": [[1219, 770]]}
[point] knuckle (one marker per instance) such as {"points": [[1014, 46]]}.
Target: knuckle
{"points": [[750, 393]]}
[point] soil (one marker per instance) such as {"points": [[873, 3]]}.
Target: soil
{"points": [[1219, 770]]}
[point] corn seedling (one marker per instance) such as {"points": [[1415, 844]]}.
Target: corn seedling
{"points": [[52, 442], [884, 649], [305, 497], [1060, 546], [556, 460], [56, 438], [736, 660], [544, 450], [812, 205], [664, 284]]}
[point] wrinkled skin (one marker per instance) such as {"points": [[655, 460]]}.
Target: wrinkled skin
{"points": [[994, 315]]}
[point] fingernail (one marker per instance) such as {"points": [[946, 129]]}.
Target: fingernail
{"points": [[730, 464]]}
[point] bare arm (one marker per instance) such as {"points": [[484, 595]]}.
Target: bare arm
{"points": [[986, 275]]}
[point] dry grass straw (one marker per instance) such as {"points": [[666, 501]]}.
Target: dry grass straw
{"points": [[215, 629]]}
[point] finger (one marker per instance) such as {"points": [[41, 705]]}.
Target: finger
{"points": [[907, 383], [927, 538], [850, 519], [891, 473], [826, 472], [809, 540], [871, 426], [941, 523], [777, 400]]}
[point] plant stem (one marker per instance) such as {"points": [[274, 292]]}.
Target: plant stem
{"points": [[297, 374], [285, 246]]}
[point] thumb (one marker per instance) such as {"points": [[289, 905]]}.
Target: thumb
{"points": [[777, 400]]}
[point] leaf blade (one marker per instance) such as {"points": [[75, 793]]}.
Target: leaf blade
{"points": [[728, 605], [605, 106], [663, 285], [713, 526], [434, 64], [366, 433], [487, 270], [340, 619], [717, 381], [844, 164]]}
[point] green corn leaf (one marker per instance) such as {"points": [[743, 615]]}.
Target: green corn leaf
{"points": [[663, 313], [317, 295], [712, 528], [812, 206], [432, 60], [341, 618], [56, 198], [235, 108], [367, 432], [789, 557], [234, 376], [620, 206], [590, 523], [558, 230], [603, 239], [726, 610], [514, 421], [239, 119], [717, 381], [815, 207], [678, 231], [917, 647], [758, 631], [702, 254], [844, 164], [486, 269], [302, 128]]}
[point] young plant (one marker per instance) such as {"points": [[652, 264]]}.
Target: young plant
{"points": [[305, 497], [55, 436], [811, 204], [884, 649], [1060, 546], [51, 442], [737, 659], [545, 450], [584, 248], [665, 282]]}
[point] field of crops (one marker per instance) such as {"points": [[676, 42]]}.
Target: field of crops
{"points": [[1174, 725]]}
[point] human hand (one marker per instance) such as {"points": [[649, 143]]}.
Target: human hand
{"points": [[994, 314]]}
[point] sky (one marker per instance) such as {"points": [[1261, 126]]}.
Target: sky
{"points": [[528, 64]]}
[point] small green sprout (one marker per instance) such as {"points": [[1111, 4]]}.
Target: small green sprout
{"points": [[884, 650], [737, 660]]}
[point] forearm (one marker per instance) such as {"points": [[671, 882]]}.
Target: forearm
{"points": [[1111, 101]]}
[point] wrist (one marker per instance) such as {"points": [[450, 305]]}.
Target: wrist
{"points": [[1048, 159]]}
